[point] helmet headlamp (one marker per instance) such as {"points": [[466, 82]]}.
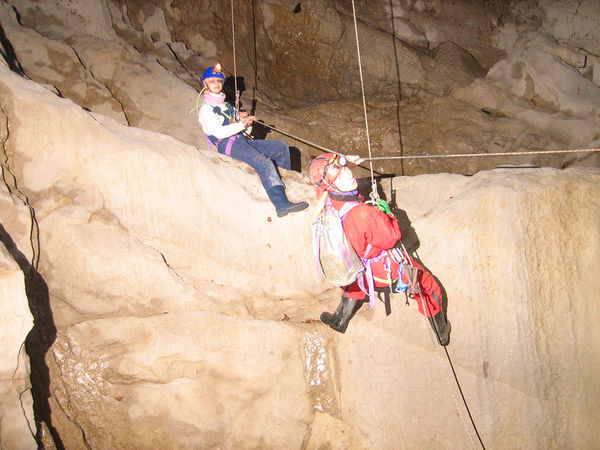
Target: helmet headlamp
{"points": [[334, 160], [215, 71]]}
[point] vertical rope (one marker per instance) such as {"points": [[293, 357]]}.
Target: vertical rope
{"points": [[374, 194], [237, 94], [255, 88]]}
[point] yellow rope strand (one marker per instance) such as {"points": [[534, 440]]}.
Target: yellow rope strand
{"points": [[455, 155], [237, 95], [362, 88], [467, 155]]}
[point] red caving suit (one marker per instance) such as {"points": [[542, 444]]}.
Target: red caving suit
{"points": [[366, 224]]}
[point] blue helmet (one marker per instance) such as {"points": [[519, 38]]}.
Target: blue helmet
{"points": [[215, 71]]}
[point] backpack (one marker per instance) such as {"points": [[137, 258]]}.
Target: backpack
{"points": [[336, 260]]}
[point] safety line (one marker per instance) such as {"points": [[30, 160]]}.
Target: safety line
{"points": [[425, 307], [456, 155], [467, 155], [464, 401], [362, 89], [312, 144], [237, 94], [324, 149]]}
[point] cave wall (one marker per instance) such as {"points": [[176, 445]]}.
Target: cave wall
{"points": [[162, 317]]}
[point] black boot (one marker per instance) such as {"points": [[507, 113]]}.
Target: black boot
{"points": [[441, 327], [282, 205], [339, 320]]}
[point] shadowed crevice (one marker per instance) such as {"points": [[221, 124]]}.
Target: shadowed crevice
{"points": [[38, 341], [8, 53]]}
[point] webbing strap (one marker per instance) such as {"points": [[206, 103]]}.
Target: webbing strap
{"points": [[228, 146], [368, 274]]}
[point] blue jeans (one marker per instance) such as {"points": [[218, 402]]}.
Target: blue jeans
{"points": [[264, 156]]}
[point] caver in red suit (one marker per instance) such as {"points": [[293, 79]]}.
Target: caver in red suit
{"points": [[369, 228], [371, 232]]}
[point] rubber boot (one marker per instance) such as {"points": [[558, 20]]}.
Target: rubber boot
{"points": [[339, 320], [441, 327], [282, 205]]}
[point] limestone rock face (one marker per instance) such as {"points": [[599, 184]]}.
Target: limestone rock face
{"points": [[189, 380], [574, 23], [102, 73], [141, 64], [510, 250], [172, 306], [16, 408], [525, 73], [171, 323]]}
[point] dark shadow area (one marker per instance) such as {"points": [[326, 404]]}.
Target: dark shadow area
{"points": [[9, 55], [399, 85], [259, 131], [229, 89], [38, 341], [409, 235], [296, 159], [364, 186]]}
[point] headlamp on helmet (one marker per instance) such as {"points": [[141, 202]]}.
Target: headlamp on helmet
{"points": [[215, 71], [333, 160]]}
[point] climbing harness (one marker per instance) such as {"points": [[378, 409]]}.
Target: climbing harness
{"points": [[228, 115], [407, 273]]}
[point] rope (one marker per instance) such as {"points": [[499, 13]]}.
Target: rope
{"points": [[374, 193], [299, 139], [425, 307], [456, 155], [304, 141], [463, 399], [467, 155], [237, 93], [371, 158]]}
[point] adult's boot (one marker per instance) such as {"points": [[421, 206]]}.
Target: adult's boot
{"points": [[282, 205], [441, 327], [339, 320]]}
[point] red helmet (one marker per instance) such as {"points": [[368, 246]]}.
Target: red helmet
{"points": [[323, 174]]}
